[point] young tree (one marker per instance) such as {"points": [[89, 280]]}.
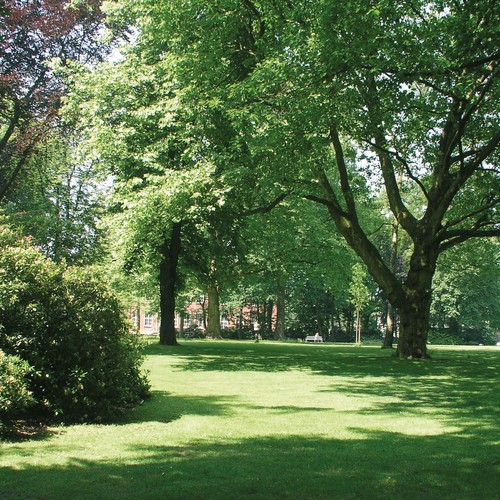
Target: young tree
{"points": [[359, 294]]}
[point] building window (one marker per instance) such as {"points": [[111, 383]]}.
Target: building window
{"points": [[224, 323], [148, 320], [134, 316]]}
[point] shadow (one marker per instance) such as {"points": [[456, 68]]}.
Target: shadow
{"points": [[165, 408], [460, 461], [458, 386], [272, 357], [375, 466]]}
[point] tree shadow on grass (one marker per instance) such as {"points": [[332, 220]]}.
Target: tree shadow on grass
{"points": [[373, 465], [165, 407], [270, 357], [459, 386]]}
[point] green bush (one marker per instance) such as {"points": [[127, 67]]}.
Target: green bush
{"points": [[72, 330], [15, 395], [464, 337], [443, 337]]}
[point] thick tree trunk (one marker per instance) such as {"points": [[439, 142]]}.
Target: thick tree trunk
{"points": [[279, 331], [414, 310], [213, 324], [414, 324], [168, 277]]}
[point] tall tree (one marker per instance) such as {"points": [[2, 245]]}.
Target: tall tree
{"points": [[409, 86], [36, 36]]}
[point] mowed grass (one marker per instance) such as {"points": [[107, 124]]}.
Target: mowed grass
{"points": [[230, 420]]}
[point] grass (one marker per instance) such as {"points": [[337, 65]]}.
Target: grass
{"points": [[267, 420]]}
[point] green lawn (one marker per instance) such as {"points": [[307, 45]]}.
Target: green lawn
{"points": [[232, 420]]}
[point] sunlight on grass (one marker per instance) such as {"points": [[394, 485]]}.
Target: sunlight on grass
{"points": [[229, 419]]}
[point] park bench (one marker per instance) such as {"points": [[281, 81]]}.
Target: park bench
{"points": [[314, 338]]}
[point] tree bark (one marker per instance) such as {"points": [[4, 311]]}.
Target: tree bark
{"points": [[319, 319], [414, 310], [168, 276], [358, 325], [279, 331], [269, 316], [391, 313], [181, 324], [390, 327], [414, 324], [213, 324]]}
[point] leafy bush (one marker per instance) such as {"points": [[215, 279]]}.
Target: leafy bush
{"points": [[72, 331], [15, 395], [442, 337], [464, 337]]}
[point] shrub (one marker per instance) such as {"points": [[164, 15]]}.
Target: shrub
{"points": [[15, 396], [72, 330]]}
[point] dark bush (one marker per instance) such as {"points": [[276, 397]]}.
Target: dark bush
{"points": [[15, 396], [72, 330]]}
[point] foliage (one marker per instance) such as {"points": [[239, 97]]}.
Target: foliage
{"points": [[35, 38], [71, 330], [59, 203], [466, 289], [15, 396], [311, 90]]}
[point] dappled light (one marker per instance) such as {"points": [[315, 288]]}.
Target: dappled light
{"points": [[229, 419]]}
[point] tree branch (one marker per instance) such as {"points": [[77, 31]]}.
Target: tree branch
{"points": [[266, 208], [459, 236], [342, 169]]}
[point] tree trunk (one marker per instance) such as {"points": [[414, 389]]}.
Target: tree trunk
{"points": [[168, 277], [414, 310], [269, 316], [391, 313], [213, 324], [358, 325], [181, 324], [414, 324], [279, 331], [319, 319], [240, 324], [389, 327]]}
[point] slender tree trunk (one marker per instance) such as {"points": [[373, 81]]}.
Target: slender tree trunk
{"points": [[269, 316], [279, 331], [168, 277], [391, 313], [181, 324], [389, 327], [204, 313], [358, 326], [213, 324], [240, 323]]}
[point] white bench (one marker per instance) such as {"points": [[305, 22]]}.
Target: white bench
{"points": [[314, 338]]}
